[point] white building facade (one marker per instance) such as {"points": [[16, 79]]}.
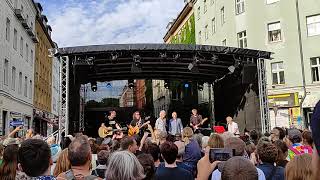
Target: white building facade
{"points": [[17, 49]]}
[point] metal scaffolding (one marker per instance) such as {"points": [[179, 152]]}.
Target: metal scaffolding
{"points": [[263, 96], [64, 95]]}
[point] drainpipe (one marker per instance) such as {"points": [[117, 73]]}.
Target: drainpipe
{"points": [[301, 62]]}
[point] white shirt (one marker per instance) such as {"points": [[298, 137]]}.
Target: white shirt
{"points": [[233, 128], [216, 175]]}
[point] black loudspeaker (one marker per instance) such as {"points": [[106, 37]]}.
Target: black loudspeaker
{"points": [[249, 73]]}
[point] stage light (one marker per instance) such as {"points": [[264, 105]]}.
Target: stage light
{"points": [[176, 57], [130, 83], [186, 85], [231, 69], [109, 86], [163, 55], [200, 86], [137, 60], [214, 59], [94, 86], [166, 84], [193, 67]]}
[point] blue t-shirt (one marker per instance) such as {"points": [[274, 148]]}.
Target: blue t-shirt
{"points": [[165, 173], [267, 170], [192, 153]]}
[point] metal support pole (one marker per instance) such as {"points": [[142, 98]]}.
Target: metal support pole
{"points": [[64, 95], [211, 100]]}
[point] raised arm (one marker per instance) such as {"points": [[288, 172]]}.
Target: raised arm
{"points": [[12, 133]]}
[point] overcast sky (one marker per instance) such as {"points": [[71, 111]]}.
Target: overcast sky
{"points": [[87, 22]]}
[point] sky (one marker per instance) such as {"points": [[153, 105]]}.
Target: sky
{"points": [[91, 22]]}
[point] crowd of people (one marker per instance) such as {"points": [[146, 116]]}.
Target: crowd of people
{"points": [[282, 154]]}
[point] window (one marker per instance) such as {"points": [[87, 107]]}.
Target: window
{"points": [[31, 57], [206, 33], [20, 83], [15, 39], [25, 86], [242, 39], [315, 69], [213, 25], [272, 1], [21, 46], [211, 2], [199, 12], [277, 71], [200, 37], [30, 89], [204, 6], [13, 79], [222, 16], [6, 72], [8, 29], [27, 52], [239, 6], [274, 32], [224, 42], [313, 25]]}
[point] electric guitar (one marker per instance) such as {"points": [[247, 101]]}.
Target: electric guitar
{"points": [[108, 131], [195, 127], [133, 130]]}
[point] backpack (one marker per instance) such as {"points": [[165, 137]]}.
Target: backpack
{"points": [[70, 176]]}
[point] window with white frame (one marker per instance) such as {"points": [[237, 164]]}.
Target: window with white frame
{"points": [[6, 72], [274, 32], [204, 6], [315, 69], [213, 25], [224, 42], [20, 83], [199, 12], [8, 29], [200, 39], [313, 25], [21, 46], [13, 79], [27, 52], [277, 71], [15, 39], [30, 89], [242, 39], [31, 57], [239, 6], [272, 1], [222, 15], [25, 86], [206, 33]]}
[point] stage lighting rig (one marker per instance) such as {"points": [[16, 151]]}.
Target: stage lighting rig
{"points": [[214, 59], [166, 84], [193, 67], [94, 86], [130, 83], [200, 86], [176, 57]]}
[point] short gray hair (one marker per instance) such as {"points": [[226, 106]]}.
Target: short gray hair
{"points": [[124, 165]]}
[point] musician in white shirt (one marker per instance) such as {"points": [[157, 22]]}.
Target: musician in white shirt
{"points": [[232, 126]]}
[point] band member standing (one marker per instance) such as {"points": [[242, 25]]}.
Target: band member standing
{"points": [[232, 126], [161, 122], [195, 119], [110, 121], [175, 124], [137, 121]]}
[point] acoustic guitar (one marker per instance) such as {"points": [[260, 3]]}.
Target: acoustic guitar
{"points": [[195, 127], [133, 130], [108, 131]]}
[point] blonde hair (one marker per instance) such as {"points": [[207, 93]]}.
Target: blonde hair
{"points": [[216, 141], [299, 168], [187, 133], [63, 163]]}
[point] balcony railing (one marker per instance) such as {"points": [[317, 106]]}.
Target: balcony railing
{"points": [[18, 13]]}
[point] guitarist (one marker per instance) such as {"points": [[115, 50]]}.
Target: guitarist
{"points": [[195, 119], [137, 120], [110, 121]]}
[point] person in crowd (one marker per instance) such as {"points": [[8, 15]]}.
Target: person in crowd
{"points": [[179, 160], [1, 153], [146, 160], [129, 144], [8, 168], [175, 124], [254, 136], [115, 145], [215, 141], [315, 124], [204, 140], [226, 135], [307, 138], [232, 126], [94, 151], [275, 134], [100, 170], [299, 168], [239, 168], [124, 165], [268, 153], [79, 154], [250, 150], [169, 152], [282, 153], [35, 159], [55, 151], [63, 163], [29, 133], [161, 122], [154, 151], [198, 138], [66, 141], [294, 143], [239, 150], [192, 150]]}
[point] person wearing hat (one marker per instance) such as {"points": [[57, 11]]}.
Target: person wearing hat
{"points": [[294, 143]]}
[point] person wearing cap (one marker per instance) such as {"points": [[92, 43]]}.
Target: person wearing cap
{"points": [[294, 143]]}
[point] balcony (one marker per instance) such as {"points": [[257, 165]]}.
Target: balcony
{"points": [[25, 24], [18, 13], [35, 39], [30, 32]]}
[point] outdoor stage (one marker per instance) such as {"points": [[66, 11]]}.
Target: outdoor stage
{"points": [[236, 77]]}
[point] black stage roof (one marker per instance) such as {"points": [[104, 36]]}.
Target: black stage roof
{"points": [[156, 61]]}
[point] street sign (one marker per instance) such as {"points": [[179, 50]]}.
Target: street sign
{"points": [[16, 123]]}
